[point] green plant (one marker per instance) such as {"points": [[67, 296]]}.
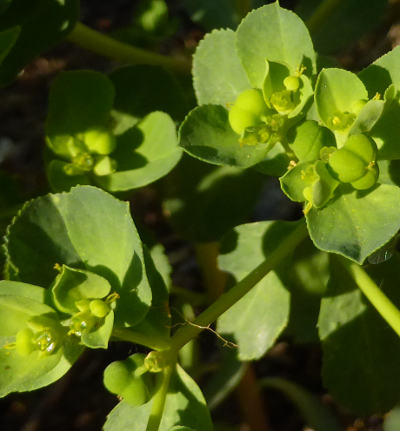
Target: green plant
{"points": [[77, 274]]}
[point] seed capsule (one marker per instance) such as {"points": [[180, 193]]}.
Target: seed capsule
{"points": [[247, 110], [291, 83], [347, 166], [368, 180], [99, 308], [362, 146], [116, 377], [136, 392]]}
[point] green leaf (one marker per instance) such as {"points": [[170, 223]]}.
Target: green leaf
{"points": [[368, 116], [275, 34], [72, 285], [158, 319], [256, 320], [198, 195], [20, 302], [98, 338], [307, 279], [358, 345], [144, 154], [222, 383], [382, 73], [356, 224], [184, 406], [85, 228], [336, 91], [307, 139], [218, 74], [141, 89], [8, 287], [385, 132], [43, 24], [295, 180], [71, 95], [7, 40], [207, 135], [316, 414]]}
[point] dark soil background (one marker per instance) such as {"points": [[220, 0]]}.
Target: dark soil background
{"points": [[79, 401]]}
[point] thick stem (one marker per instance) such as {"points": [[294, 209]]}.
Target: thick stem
{"points": [[225, 301], [157, 408], [374, 294], [152, 341], [321, 15], [106, 46]]}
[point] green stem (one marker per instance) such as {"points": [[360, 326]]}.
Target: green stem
{"points": [[374, 294], [152, 341], [158, 404], [104, 45], [226, 300], [321, 15]]}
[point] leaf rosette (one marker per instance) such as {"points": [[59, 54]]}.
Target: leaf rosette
{"points": [[95, 137], [254, 91], [251, 85]]}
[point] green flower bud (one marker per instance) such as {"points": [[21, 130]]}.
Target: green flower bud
{"points": [[247, 110], [23, 342], [368, 180], [291, 83], [105, 166], [99, 308], [99, 141]]}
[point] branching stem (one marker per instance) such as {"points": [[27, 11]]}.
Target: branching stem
{"points": [[374, 294], [99, 43], [152, 341]]}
